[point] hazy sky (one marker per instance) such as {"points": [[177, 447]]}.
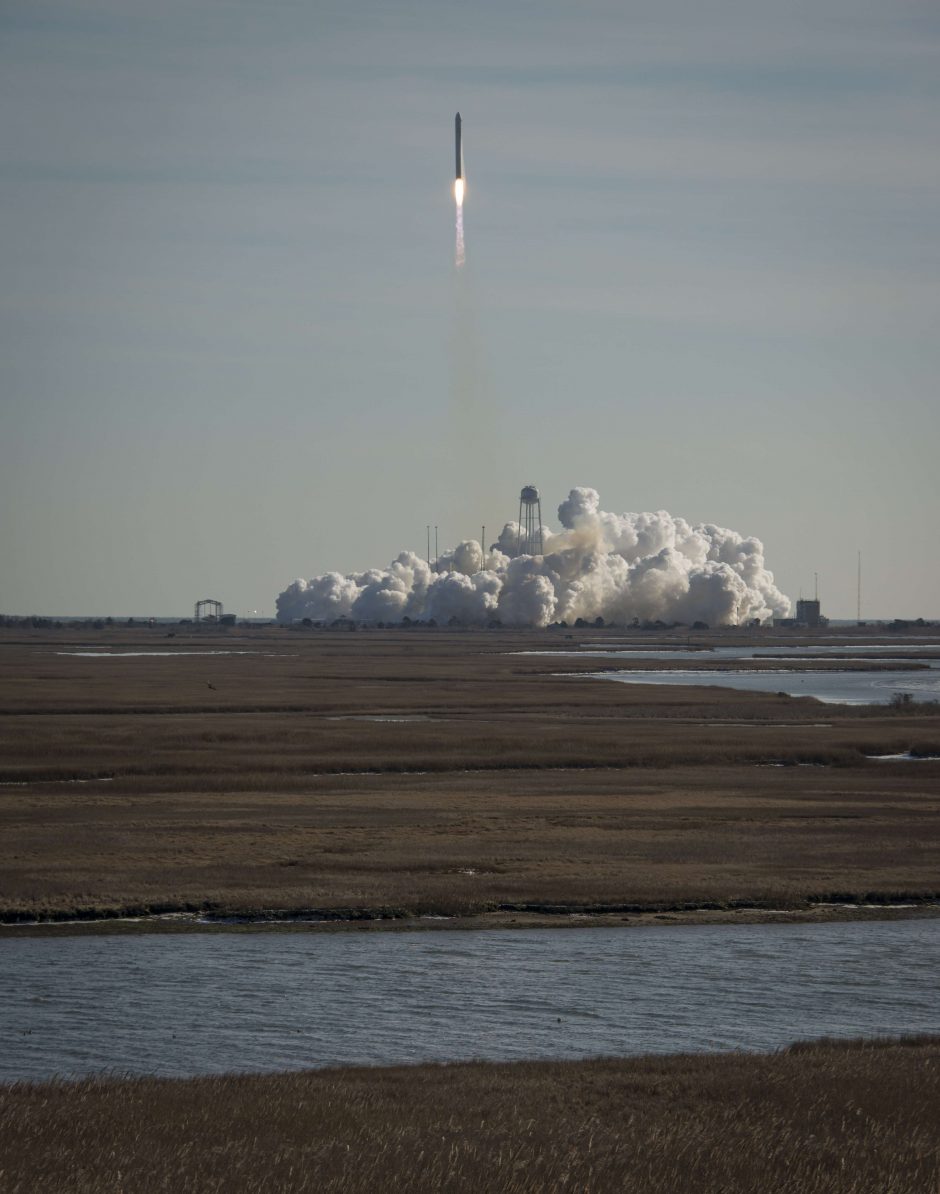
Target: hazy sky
{"points": [[702, 275]]}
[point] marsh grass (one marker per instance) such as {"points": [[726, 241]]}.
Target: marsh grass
{"points": [[124, 790], [820, 1118]]}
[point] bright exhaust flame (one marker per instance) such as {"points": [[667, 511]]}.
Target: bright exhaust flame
{"points": [[460, 254]]}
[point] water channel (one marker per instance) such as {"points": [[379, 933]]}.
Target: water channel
{"points": [[873, 686], [833, 687], [211, 1003]]}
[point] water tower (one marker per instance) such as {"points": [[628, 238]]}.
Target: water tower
{"points": [[530, 522]]}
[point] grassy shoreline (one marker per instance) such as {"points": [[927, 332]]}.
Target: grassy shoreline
{"points": [[917, 906], [839, 1118]]}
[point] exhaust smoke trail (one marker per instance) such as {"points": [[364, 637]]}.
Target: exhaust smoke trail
{"points": [[460, 252]]}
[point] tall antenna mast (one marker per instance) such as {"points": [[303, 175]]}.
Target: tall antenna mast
{"points": [[858, 601], [815, 586], [429, 545], [483, 547]]}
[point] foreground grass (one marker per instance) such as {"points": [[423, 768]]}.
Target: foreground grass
{"points": [[822, 1117]]}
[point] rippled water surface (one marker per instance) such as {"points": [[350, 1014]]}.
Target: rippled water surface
{"points": [[211, 1003]]}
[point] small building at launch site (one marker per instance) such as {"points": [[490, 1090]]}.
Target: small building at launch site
{"points": [[807, 615]]}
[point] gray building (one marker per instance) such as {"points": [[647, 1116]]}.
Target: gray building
{"points": [[807, 613]]}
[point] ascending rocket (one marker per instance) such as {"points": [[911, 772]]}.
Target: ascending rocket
{"points": [[459, 186]]}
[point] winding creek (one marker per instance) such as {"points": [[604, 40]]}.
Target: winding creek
{"points": [[212, 1003]]}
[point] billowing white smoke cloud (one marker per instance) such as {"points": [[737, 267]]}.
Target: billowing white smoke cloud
{"points": [[614, 566]]}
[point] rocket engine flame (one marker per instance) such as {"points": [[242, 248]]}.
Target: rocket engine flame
{"points": [[618, 567]]}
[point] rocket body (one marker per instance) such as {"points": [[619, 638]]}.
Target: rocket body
{"points": [[458, 147]]}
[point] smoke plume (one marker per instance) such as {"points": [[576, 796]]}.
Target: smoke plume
{"points": [[618, 567], [460, 249]]}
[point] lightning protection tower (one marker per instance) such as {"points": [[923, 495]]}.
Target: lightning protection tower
{"points": [[530, 522]]}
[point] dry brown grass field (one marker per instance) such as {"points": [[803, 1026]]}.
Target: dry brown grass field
{"points": [[815, 1119], [240, 782]]}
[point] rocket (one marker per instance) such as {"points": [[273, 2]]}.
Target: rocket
{"points": [[460, 252]]}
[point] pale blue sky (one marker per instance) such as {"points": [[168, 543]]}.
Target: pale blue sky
{"points": [[702, 276]]}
